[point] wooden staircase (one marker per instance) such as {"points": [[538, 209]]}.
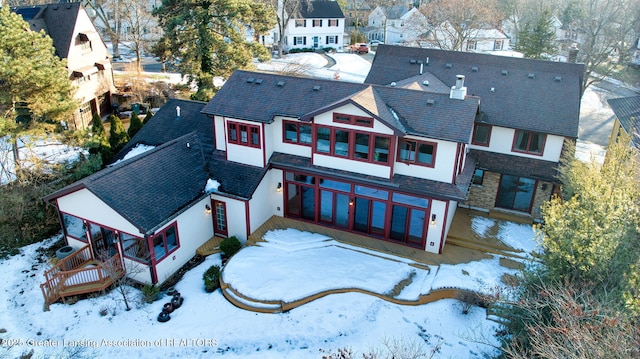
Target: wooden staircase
{"points": [[80, 273]]}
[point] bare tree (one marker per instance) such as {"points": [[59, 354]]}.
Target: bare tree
{"points": [[456, 21], [140, 26], [107, 16], [286, 10]]}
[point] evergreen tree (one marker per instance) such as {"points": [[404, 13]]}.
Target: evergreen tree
{"points": [[209, 38], [537, 39], [147, 117], [31, 75], [118, 137], [134, 125], [97, 127]]}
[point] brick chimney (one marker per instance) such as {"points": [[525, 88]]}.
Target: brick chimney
{"points": [[458, 91]]}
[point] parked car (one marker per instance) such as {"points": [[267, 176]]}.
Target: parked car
{"points": [[362, 49]]}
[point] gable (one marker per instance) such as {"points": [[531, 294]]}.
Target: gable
{"points": [[546, 101], [627, 110], [321, 9]]}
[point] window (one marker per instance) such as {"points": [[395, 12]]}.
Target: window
{"points": [[333, 22], [317, 23], [85, 46], [301, 23], [135, 248], [478, 177], [471, 45], [299, 40], [417, 152], [243, 134], [165, 242], [497, 45], [529, 142], [481, 135], [352, 144], [298, 133], [353, 120], [332, 40], [74, 227]]}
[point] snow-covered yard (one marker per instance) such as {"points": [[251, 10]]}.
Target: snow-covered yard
{"points": [[207, 323]]}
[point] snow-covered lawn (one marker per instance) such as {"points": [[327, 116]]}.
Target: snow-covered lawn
{"points": [[207, 323]]}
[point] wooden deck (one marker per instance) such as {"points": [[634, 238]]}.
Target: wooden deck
{"points": [[462, 246], [79, 273], [210, 247]]}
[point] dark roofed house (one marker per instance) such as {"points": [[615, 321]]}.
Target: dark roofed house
{"points": [[627, 111], [319, 24], [77, 40]]}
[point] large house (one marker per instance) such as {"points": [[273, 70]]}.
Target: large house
{"points": [[77, 40], [391, 159], [318, 24], [396, 24], [627, 111]]}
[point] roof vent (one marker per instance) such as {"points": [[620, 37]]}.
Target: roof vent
{"points": [[280, 83], [316, 88], [531, 75], [177, 111], [448, 66], [250, 80], [427, 61], [258, 81], [493, 89], [393, 84], [412, 61], [431, 102], [474, 69], [504, 72], [188, 145], [558, 79], [425, 82], [420, 62]]}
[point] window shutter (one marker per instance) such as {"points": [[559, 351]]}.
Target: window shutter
{"points": [[295, 41], [304, 40], [327, 40], [336, 42]]}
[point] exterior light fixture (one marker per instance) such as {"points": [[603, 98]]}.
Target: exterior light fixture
{"points": [[351, 202], [207, 209], [433, 219], [279, 187]]}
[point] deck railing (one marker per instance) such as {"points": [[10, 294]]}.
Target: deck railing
{"points": [[79, 273]]}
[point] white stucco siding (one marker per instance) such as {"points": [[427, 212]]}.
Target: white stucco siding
{"points": [[267, 201], [344, 164], [445, 161], [309, 32], [326, 119], [195, 227], [86, 205], [502, 139], [275, 135], [137, 271], [219, 131], [435, 231], [253, 156], [236, 216]]}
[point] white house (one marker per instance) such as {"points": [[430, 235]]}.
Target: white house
{"points": [[391, 159], [319, 25], [475, 40], [396, 24], [88, 61]]}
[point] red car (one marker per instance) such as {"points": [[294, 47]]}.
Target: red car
{"points": [[362, 49]]}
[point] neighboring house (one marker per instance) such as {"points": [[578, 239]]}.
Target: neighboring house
{"points": [[627, 111], [396, 24], [77, 40], [356, 10], [528, 109], [568, 38], [391, 160], [319, 25], [475, 40]]}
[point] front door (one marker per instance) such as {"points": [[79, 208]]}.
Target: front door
{"points": [[316, 40], [220, 219]]}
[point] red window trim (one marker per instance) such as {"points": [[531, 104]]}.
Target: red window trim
{"points": [[164, 236], [542, 146], [477, 143], [249, 129], [418, 143], [297, 124], [351, 151], [353, 120]]}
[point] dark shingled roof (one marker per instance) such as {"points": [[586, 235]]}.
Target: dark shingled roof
{"points": [[152, 187], [627, 110], [409, 184], [260, 97], [165, 126], [236, 179], [516, 165], [57, 20], [321, 9], [541, 96]]}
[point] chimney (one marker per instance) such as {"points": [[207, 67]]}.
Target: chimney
{"points": [[458, 91], [178, 111]]}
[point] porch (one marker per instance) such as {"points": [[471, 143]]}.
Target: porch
{"points": [[80, 273]]}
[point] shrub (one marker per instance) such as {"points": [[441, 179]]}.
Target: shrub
{"points": [[230, 246], [150, 293], [211, 278]]}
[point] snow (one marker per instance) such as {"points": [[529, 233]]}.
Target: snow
{"points": [[348, 67], [290, 265], [211, 186], [137, 150]]}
